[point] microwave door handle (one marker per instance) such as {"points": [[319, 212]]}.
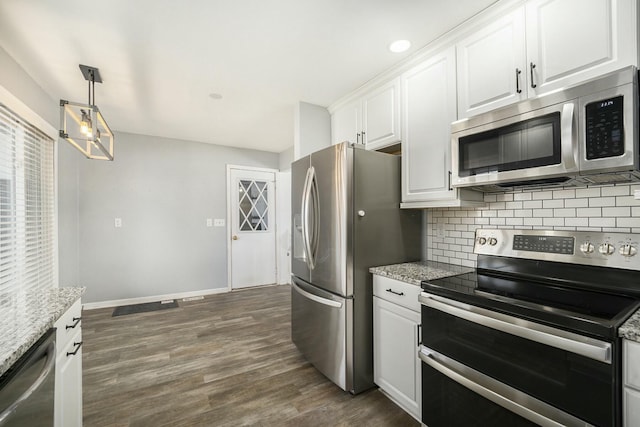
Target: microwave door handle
{"points": [[567, 147]]}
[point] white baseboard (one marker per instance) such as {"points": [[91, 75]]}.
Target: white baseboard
{"points": [[140, 300]]}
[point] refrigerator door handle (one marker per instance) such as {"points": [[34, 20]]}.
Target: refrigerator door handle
{"points": [[315, 230], [316, 298], [306, 189]]}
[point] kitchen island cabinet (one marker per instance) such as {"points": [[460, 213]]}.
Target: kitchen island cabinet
{"points": [[68, 388]]}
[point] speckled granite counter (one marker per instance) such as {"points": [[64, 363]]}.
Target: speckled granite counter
{"points": [[25, 316], [416, 272], [631, 328]]}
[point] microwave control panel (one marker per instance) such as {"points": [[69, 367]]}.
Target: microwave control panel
{"points": [[604, 128]]}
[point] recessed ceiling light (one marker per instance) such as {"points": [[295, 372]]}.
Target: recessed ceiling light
{"points": [[400, 46], [215, 96]]}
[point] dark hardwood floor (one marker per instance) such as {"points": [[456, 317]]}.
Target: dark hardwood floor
{"points": [[226, 360]]}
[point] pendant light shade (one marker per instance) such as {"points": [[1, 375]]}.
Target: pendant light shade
{"points": [[83, 126]]}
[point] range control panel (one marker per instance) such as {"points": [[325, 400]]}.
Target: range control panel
{"points": [[619, 250]]}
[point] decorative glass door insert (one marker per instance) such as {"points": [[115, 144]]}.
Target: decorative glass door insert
{"points": [[253, 205]]}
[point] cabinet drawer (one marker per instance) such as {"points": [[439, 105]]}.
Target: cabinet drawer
{"points": [[68, 324], [395, 291], [631, 363]]}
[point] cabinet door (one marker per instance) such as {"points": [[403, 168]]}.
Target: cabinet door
{"points": [[491, 66], [396, 366], [570, 41], [428, 93], [381, 116], [68, 393], [346, 124]]}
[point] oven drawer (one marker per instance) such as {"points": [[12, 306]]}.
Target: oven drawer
{"points": [[575, 384], [397, 292]]}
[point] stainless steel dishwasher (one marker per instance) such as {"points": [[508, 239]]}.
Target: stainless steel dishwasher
{"points": [[27, 388]]}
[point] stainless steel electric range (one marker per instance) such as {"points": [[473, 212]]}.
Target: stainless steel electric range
{"points": [[530, 337]]}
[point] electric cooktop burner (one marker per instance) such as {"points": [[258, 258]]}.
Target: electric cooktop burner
{"points": [[569, 280]]}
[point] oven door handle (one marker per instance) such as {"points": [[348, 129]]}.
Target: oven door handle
{"points": [[568, 341], [499, 393]]}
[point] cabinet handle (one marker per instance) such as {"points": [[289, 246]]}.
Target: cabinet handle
{"points": [[419, 341], [74, 352], [363, 134], [531, 67], [394, 292], [358, 138], [76, 320], [518, 72], [450, 188]]}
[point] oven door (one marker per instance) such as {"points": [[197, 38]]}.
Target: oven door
{"points": [[480, 359], [540, 145]]}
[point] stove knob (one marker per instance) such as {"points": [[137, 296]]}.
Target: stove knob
{"points": [[628, 250], [493, 241], [587, 248], [482, 241], [606, 249]]}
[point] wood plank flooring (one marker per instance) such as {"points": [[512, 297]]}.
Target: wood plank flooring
{"points": [[226, 360]]}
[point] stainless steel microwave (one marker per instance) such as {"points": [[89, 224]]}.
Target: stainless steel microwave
{"points": [[585, 134]]}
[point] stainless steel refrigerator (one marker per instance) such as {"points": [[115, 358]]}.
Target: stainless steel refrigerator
{"points": [[346, 217]]}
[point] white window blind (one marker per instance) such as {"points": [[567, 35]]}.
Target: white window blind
{"points": [[26, 205]]}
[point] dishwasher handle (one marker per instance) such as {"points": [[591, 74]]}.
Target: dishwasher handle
{"points": [[50, 354]]}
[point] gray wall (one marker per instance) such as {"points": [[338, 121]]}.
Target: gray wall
{"points": [[286, 158], [163, 190], [312, 129]]}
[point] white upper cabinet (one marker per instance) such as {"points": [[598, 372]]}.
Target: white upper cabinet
{"points": [[346, 124], [429, 107], [491, 66], [373, 119], [569, 41], [381, 116], [541, 47]]}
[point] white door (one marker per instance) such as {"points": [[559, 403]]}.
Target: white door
{"points": [[253, 227]]}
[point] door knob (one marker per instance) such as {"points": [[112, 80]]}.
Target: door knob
{"points": [[234, 237]]}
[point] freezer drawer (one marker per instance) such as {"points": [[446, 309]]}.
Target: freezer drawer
{"points": [[319, 330]]}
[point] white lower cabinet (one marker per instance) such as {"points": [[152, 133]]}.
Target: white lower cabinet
{"points": [[396, 333], [631, 392], [68, 390]]}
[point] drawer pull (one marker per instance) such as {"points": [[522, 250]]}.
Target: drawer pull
{"points": [[394, 292], [74, 352], [76, 321]]}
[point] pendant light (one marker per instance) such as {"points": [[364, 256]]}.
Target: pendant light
{"points": [[83, 126]]}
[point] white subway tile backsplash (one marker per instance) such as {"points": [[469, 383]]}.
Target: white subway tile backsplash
{"points": [[606, 208], [602, 201], [576, 203], [556, 203], [588, 192], [533, 204]]}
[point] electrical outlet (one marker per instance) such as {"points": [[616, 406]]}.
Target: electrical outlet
{"points": [[117, 222], [209, 222], [218, 222]]}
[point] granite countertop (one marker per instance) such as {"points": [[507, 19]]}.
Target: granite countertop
{"points": [[26, 316], [631, 328], [416, 272]]}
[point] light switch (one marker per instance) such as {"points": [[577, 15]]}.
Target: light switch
{"points": [[209, 222], [117, 222], [218, 222]]}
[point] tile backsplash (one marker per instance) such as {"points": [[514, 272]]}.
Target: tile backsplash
{"points": [[612, 208]]}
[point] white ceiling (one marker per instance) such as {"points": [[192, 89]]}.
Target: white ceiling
{"points": [[161, 59]]}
